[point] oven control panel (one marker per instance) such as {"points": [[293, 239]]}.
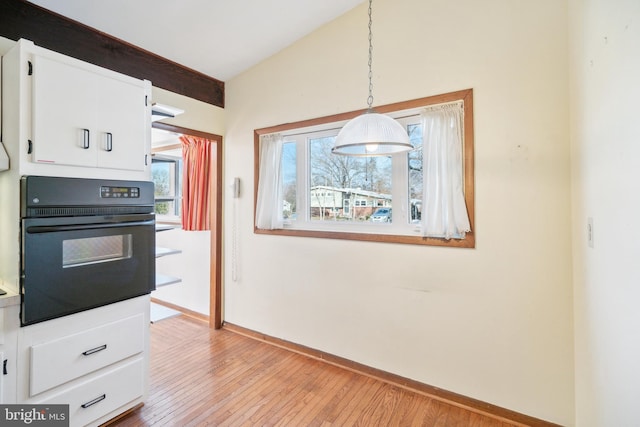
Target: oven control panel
{"points": [[48, 196], [108, 192]]}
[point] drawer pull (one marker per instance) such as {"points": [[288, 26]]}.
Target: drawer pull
{"points": [[94, 401], [95, 350]]}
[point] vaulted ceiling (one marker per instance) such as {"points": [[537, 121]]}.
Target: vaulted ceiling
{"points": [[219, 38]]}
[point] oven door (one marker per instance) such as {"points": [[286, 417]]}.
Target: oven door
{"points": [[71, 264]]}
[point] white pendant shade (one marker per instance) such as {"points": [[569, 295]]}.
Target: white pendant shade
{"points": [[371, 134]]}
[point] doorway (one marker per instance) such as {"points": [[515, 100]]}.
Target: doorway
{"points": [[215, 194]]}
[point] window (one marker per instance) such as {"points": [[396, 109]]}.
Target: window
{"points": [[327, 195], [166, 172], [93, 250]]}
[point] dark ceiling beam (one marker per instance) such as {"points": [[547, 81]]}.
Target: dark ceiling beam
{"points": [[21, 19]]}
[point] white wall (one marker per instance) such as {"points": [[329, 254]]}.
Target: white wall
{"points": [[605, 133], [494, 323], [193, 264]]}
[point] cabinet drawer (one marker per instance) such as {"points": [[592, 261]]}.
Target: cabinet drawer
{"points": [[56, 362], [1, 382], [101, 395]]}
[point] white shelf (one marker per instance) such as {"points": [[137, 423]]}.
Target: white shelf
{"points": [[166, 251], [164, 280]]}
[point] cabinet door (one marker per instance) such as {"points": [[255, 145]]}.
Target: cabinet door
{"points": [[87, 118], [63, 114], [1, 380], [121, 125]]}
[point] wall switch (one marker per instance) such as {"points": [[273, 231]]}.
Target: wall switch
{"points": [[590, 232], [235, 188]]}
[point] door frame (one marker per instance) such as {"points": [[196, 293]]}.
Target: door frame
{"points": [[215, 274]]}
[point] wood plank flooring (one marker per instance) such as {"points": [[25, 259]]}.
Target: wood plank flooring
{"points": [[220, 378]]}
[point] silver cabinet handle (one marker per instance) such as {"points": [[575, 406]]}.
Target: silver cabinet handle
{"points": [[109, 141], [85, 138], [94, 401]]}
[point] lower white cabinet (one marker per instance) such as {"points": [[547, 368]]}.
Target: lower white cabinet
{"points": [[1, 378], [61, 360], [2, 359], [91, 399], [97, 361], [9, 325]]}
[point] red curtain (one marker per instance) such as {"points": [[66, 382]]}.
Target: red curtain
{"points": [[196, 158]]}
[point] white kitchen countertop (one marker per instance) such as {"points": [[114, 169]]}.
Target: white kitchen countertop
{"points": [[11, 298]]}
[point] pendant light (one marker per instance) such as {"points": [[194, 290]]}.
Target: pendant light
{"points": [[371, 134]]}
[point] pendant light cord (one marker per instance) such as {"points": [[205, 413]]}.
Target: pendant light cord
{"points": [[371, 133], [370, 98]]}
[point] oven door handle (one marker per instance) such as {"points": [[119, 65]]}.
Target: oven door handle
{"points": [[53, 228]]}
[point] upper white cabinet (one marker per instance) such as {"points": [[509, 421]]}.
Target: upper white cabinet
{"points": [[84, 118], [71, 118]]}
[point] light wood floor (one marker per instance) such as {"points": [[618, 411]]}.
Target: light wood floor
{"points": [[205, 377]]}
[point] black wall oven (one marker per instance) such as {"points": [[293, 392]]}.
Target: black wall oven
{"points": [[85, 243]]}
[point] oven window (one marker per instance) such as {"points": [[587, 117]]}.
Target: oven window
{"points": [[92, 250]]}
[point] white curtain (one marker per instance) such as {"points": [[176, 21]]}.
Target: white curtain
{"points": [[444, 211], [269, 203]]}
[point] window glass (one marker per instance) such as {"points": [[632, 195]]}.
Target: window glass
{"points": [[344, 188], [377, 198], [92, 250], [289, 177], [415, 172], [165, 173]]}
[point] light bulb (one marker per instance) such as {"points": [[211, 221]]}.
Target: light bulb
{"points": [[371, 148]]}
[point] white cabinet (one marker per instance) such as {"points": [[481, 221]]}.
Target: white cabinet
{"points": [[89, 400], [95, 361], [9, 326], [84, 118], [58, 361], [66, 117], [2, 359]]}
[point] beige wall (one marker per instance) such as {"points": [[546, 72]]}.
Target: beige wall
{"points": [[197, 115], [494, 323], [605, 134], [5, 45]]}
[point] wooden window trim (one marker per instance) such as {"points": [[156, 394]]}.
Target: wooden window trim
{"points": [[469, 174]]}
